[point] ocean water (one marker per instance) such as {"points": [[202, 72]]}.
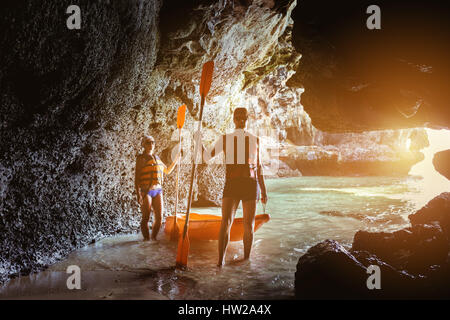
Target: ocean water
{"points": [[304, 211]]}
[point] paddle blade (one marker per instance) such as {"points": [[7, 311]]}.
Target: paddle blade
{"points": [[205, 82], [183, 251], [181, 116]]}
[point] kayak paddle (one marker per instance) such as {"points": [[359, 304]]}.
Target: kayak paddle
{"points": [[183, 241], [180, 123]]}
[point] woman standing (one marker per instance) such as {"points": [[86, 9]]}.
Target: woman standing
{"points": [[149, 177]]}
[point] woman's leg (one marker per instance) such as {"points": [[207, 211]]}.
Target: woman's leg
{"points": [[158, 207], [249, 208], [229, 206], [145, 209]]}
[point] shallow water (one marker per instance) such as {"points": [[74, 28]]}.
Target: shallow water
{"points": [[304, 211]]}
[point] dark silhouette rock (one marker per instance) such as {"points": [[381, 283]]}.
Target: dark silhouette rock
{"points": [[414, 262], [329, 271], [435, 211], [441, 162], [395, 283], [414, 249]]}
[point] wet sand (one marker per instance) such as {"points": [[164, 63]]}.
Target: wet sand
{"points": [[95, 285]]}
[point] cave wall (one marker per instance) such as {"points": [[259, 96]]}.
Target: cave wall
{"points": [[68, 141]]}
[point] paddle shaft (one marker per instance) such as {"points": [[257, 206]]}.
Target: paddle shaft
{"points": [[176, 184], [194, 167]]}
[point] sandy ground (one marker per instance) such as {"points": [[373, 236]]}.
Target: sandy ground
{"points": [[95, 285]]}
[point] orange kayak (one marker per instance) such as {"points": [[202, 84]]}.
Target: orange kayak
{"points": [[207, 226]]}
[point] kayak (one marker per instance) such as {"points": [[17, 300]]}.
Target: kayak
{"points": [[207, 226]]}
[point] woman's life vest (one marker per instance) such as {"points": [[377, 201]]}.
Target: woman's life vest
{"points": [[151, 171]]}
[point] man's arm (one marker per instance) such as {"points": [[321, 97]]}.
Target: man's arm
{"points": [[261, 182], [172, 166]]}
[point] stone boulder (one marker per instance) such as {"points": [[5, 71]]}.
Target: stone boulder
{"points": [[441, 162], [414, 262], [435, 211], [414, 249], [329, 271]]}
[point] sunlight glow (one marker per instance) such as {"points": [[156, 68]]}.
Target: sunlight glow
{"points": [[408, 143], [432, 182]]}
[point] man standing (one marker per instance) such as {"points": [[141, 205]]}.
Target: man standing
{"points": [[244, 181]]}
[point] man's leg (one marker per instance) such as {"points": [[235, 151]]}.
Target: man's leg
{"points": [[158, 206], [145, 209], [249, 208], [229, 206]]}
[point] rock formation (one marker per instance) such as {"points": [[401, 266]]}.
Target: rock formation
{"points": [[441, 162], [329, 271], [70, 125], [414, 262], [396, 75], [383, 152]]}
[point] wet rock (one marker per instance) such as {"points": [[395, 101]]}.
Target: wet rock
{"points": [[329, 271], [435, 211], [395, 283], [413, 249], [438, 281], [310, 160], [441, 162], [414, 261]]}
